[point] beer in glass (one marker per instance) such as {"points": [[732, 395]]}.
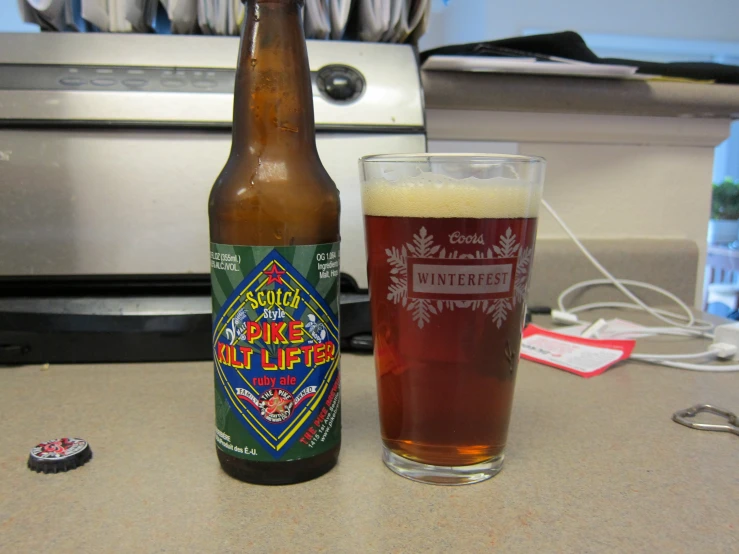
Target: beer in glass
{"points": [[450, 244]]}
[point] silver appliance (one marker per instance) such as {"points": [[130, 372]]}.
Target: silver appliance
{"points": [[109, 145]]}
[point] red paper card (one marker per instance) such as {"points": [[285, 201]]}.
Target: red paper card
{"points": [[583, 357]]}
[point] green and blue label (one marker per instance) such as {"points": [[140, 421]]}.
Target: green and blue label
{"points": [[276, 350]]}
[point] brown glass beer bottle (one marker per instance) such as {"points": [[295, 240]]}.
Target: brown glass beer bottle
{"points": [[274, 230]]}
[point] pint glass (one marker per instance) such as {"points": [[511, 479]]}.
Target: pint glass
{"points": [[450, 244]]}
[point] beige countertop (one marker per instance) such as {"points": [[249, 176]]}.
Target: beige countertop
{"points": [[593, 465]]}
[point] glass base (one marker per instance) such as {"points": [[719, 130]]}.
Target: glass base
{"points": [[441, 475]]}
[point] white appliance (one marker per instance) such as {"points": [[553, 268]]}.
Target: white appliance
{"points": [[109, 145]]}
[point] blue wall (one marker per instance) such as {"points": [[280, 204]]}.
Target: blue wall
{"points": [[10, 19]]}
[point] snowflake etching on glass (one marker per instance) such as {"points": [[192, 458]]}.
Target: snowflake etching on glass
{"points": [[423, 247], [521, 286]]}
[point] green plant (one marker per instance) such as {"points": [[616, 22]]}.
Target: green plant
{"points": [[725, 200]]}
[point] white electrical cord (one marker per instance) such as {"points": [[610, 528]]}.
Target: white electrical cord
{"points": [[626, 306], [654, 331], [671, 319], [651, 357], [690, 327], [692, 324], [698, 367]]}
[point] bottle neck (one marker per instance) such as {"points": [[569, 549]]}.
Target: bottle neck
{"points": [[273, 100]]}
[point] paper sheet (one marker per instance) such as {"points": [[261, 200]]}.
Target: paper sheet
{"points": [[136, 14], [339, 13], [73, 15], [494, 64], [401, 30], [372, 24], [377, 20], [395, 8], [317, 23], [583, 357], [236, 13], [205, 16], [392, 20], [51, 12], [419, 19], [96, 12], [221, 17], [26, 12], [183, 14]]}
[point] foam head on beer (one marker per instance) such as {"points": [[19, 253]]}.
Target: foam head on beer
{"points": [[435, 195]]}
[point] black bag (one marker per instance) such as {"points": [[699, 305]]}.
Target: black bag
{"points": [[569, 44]]}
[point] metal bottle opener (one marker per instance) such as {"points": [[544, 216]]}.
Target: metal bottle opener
{"points": [[684, 417]]}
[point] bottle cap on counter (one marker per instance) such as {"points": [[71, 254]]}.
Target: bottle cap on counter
{"points": [[59, 455]]}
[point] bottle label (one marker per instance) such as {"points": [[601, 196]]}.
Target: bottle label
{"points": [[276, 350]]}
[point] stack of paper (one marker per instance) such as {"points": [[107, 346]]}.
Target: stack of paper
{"points": [[372, 20], [141, 14], [183, 15], [111, 15], [97, 12], [326, 18], [392, 20], [50, 15], [531, 65], [217, 17], [316, 19], [340, 10], [115, 16]]}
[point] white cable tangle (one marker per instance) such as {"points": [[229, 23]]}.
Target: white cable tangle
{"points": [[656, 357], [698, 367], [618, 283], [654, 331], [701, 331], [679, 324], [696, 325]]}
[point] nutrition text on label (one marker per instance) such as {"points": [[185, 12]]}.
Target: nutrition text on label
{"points": [[225, 441], [226, 262], [328, 265]]}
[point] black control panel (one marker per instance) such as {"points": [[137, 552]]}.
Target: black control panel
{"points": [[340, 83]]}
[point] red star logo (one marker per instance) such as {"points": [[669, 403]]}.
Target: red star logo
{"points": [[274, 275]]}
